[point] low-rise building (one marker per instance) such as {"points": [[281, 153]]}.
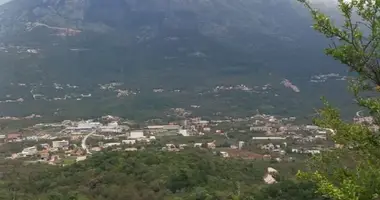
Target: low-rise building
{"points": [[2, 138], [198, 145], [44, 155], [85, 125], [311, 127], [161, 128], [183, 132], [268, 138], [224, 154], [136, 134], [112, 127], [29, 151], [322, 137], [14, 137], [206, 129], [131, 149], [111, 144], [81, 158], [60, 144], [96, 149], [260, 128], [131, 142]]}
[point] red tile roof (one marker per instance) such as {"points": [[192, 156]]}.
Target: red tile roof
{"points": [[13, 135]]}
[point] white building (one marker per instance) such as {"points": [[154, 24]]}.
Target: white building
{"points": [[128, 141], [259, 128], [311, 127], [81, 158], [136, 134], [322, 137], [85, 125], [29, 151], [111, 144], [155, 127], [112, 127], [183, 132], [131, 149], [198, 145], [224, 154], [240, 144], [206, 129], [163, 127], [268, 138], [60, 144], [313, 151]]}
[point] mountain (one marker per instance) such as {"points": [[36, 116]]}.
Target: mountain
{"points": [[146, 44]]}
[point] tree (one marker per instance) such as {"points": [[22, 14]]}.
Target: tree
{"points": [[353, 171]]}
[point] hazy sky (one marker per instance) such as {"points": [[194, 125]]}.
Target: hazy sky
{"points": [[4, 1]]}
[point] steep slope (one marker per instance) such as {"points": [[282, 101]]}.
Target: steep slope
{"points": [[152, 175]]}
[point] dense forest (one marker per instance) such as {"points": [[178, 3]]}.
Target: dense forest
{"points": [[149, 175]]}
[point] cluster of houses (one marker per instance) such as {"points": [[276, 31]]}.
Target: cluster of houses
{"points": [[46, 152], [116, 134]]}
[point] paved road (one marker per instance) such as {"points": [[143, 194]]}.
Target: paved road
{"points": [[84, 142], [358, 114]]}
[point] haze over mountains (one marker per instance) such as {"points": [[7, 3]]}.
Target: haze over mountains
{"points": [[167, 44]]}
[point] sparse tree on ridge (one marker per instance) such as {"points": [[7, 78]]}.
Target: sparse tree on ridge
{"points": [[353, 171]]}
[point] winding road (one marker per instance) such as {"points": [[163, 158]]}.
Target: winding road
{"points": [[84, 146], [358, 114]]}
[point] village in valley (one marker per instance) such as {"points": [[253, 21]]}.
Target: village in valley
{"points": [[260, 137]]}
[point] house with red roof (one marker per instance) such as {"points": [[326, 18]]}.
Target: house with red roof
{"points": [[14, 137]]}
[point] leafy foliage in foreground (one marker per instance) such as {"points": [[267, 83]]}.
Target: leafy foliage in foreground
{"points": [[351, 172], [153, 175]]}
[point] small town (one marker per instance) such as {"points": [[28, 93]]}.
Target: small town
{"points": [[260, 136]]}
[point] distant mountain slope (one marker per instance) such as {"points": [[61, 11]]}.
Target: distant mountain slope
{"points": [[261, 28], [160, 43]]}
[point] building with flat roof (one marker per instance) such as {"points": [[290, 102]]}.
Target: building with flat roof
{"points": [[268, 138], [29, 151], [60, 144], [136, 134]]}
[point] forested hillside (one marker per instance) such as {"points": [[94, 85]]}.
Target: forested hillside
{"points": [[150, 175]]}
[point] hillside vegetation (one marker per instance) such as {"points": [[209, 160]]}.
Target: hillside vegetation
{"points": [[150, 175]]}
